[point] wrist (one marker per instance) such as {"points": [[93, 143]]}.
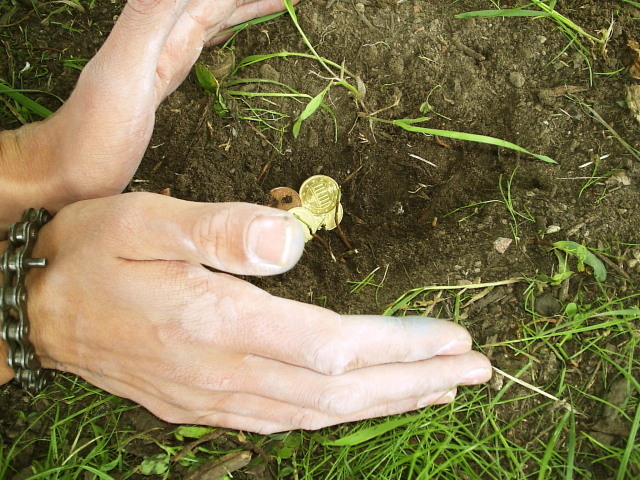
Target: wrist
{"points": [[29, 173], [17, 263]]}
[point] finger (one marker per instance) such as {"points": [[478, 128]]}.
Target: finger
{"points": [[176, 413], [229, 313], [126, 64], [237, 238], [341, 395], [110, 113], [217, 311], [204, 22], [265, 416], [255, 9], [139, 35], [313, 337], [247, 411]]}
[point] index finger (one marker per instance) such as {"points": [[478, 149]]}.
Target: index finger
{"points": [[313, 337]]}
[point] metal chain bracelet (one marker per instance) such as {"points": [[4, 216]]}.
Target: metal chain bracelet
{"points": [[14, 264]]}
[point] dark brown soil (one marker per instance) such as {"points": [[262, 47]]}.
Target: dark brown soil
{"points": [[514, 79]]}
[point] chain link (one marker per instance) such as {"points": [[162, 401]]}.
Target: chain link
{"points": [[14, 264]]}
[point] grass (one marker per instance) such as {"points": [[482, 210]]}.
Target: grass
{"points": [[77, 433], [546, 9], [505, 430], [473, 438], [20, 105]]}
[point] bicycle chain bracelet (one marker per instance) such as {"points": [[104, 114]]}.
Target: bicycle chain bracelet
{"points": [[14, 264]]}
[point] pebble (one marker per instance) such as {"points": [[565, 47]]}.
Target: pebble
{"points": [[547, 305], [501, 244], [517, 79]]}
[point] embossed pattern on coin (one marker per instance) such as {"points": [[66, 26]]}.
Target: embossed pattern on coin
{"points": [[319, 194]]}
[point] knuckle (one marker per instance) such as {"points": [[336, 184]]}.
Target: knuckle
{"points": [[211, 235], [306, 419], [340, 398], [332, 357], [143, 6]]}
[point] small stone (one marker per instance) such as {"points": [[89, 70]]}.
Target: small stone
{"points": [[270, 73], [547, 305], [501, 244], [517, 79]]}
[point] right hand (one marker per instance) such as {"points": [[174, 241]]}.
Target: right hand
{"points": [[93, 144], [126, 303]]}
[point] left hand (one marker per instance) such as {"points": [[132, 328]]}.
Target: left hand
{"points": [[92, 146], [126, 303]]}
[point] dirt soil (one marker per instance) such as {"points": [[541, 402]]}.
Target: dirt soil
{"points": [[403, 193]]}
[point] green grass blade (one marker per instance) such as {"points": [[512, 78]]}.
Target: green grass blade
{"points": [[545, 470], [368, 433], [631, 2], [251, 59], [255, 21], [631, 445], [27, 103], [512, 12], [294, 18], [408, 125], [571, 453]]}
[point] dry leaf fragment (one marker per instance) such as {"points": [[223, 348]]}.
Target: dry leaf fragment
{"points": [[221, 467], [633, 100], [634, 69]]}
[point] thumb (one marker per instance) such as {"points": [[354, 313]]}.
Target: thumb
{"points": [[237, 238]]}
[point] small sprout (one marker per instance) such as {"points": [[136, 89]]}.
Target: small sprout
{"points": [[584, 257]]}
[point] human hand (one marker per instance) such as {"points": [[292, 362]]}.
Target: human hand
{"points": [[126, 303], [93, 144]]}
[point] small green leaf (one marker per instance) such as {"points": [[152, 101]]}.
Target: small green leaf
{"points": [[191, 431], [584, 256], [293, 440], [558, 278], [206, 79], [284, 453], [156, 465], [571, 309], [309, 110]]}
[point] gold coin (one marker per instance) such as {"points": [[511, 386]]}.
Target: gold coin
{"points": [[329, 220], [285, 198], [308, 220], [319, 194]]}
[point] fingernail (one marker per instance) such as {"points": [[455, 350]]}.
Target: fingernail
{"points": [[455, 347], [275, 240], [474, 377]]}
